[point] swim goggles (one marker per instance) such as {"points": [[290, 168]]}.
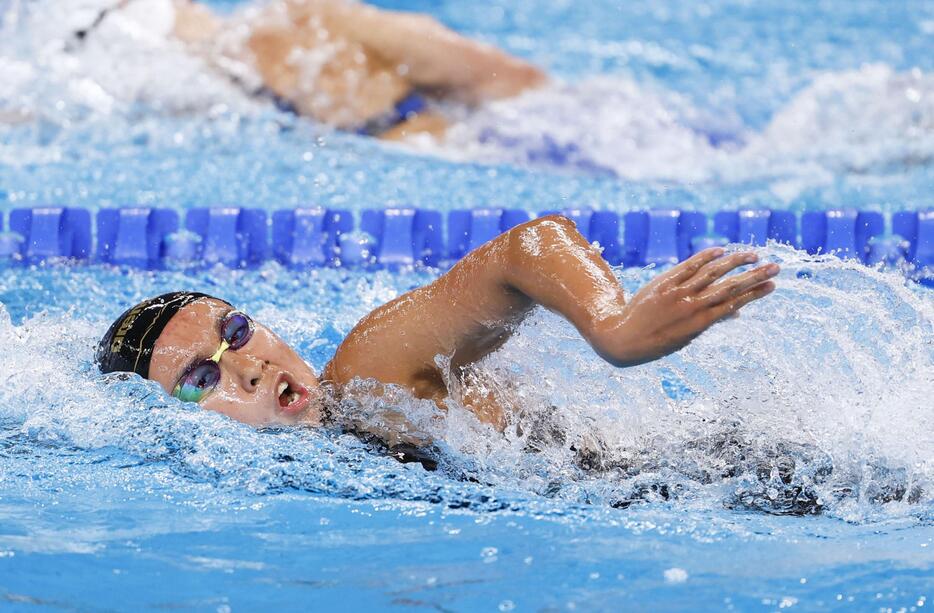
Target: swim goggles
{"points": [[202, 377]]}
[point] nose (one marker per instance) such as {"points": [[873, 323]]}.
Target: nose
{"points": [[245, 369]]}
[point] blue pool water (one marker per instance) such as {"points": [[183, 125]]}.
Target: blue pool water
{"points": [[816, 402]]}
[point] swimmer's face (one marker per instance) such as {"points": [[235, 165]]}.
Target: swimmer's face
{"points": [[251, 376]]}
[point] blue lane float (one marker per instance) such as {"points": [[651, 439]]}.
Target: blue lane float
{"points": [[403, 237], [134, 236], [917, 229], [308, 237], [660, 236], [154, 238], [234, 237], [52, 232], [755, 227], [844, 233]]}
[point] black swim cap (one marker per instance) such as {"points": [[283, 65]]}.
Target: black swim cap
{"points": [[128, 344]]}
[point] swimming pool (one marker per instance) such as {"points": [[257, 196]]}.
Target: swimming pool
{"points": [[817, 402]]}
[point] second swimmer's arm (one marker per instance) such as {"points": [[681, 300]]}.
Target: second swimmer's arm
{"points": [[432, 55], [474, 308]]}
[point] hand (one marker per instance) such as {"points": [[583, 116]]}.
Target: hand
{"points": [[676, 306]]}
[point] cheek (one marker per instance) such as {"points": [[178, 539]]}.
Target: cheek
{"points": [[279, 352], [268, 343], [232, 401]]}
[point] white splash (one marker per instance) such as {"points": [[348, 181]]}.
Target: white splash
{"points": [[604, 123], [127, 64], [850, 121]]}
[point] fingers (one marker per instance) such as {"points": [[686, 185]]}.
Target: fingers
{"points": [[689, 267], [729, 307], [715, 269], [737, 285]]}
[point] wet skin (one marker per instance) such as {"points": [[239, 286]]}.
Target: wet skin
{"points": [[250, 376], [467, 313], [375, 58]]}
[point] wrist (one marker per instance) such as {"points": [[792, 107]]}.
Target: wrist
{"points": [[612, 339]]}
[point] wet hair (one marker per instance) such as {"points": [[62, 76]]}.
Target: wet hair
{"points": [[127, 346]]}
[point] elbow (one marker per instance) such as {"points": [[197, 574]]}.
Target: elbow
{"points": [[554, 221], [540, 247], [541, 236]]}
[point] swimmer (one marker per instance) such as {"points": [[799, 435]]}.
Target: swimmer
{"points": [[345, 64], [202, 349]]}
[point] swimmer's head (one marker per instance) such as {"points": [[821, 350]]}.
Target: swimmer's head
{"points": [[193, 346]]}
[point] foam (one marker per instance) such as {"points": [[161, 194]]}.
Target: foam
{"points": [[868, 119], [126, 64]]}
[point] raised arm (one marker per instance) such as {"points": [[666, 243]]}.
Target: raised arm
{"points": [[473, 309]]}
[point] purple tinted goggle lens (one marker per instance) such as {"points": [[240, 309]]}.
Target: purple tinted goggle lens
{"points": [[236, 330]]}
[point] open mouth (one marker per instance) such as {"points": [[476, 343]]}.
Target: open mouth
{"points": [[292, 396]]}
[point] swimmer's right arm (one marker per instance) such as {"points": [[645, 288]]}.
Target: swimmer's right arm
{"points": [[432, 55], [554, 266], [471, 310]]}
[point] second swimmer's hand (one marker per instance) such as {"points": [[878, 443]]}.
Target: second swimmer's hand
{"points": [[676, 306]]}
